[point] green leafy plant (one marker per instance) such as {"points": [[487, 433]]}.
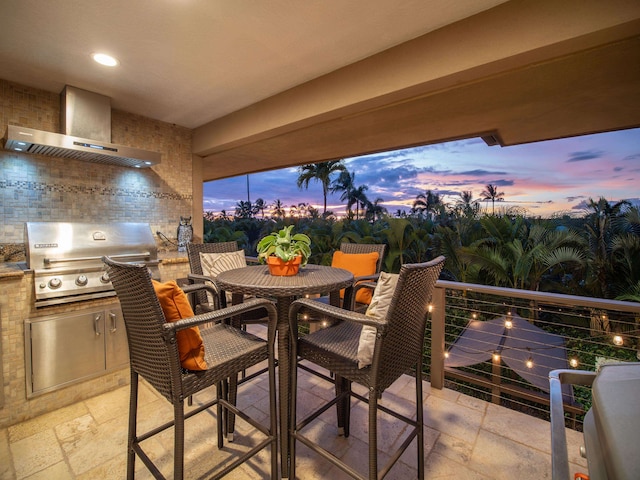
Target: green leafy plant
{"points": [[285, 245]]}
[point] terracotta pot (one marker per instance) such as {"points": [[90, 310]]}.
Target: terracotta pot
{"points": [[280, 268]]}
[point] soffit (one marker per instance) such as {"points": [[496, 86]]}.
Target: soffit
{"points": [[187, 62]]}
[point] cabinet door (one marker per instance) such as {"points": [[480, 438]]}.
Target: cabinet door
{"points": [[66, 348], [115, 339]]}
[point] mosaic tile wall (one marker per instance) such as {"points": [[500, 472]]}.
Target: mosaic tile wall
{"points": [[40, 188]]}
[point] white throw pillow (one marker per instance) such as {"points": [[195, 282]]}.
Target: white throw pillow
{"points": [[378, 308], [213, 264]]}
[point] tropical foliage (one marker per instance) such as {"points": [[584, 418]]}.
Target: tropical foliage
{"points": [[504, 250], [597, 255]]}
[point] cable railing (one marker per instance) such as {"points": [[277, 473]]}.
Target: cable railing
{"points": [[499, 344]]}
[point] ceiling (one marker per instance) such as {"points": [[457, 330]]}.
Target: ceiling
{"points": [[266, 84], [188, 62]]}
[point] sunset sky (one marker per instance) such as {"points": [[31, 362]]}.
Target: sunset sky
{"points": [[544, 177]]}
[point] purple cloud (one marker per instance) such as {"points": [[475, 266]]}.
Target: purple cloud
{"points": [[586, 155]]}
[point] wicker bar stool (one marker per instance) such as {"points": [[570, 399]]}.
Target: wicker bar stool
{"points": [[154, 355], [355, 249], [201, 300], [398, 348], [201, 303]]}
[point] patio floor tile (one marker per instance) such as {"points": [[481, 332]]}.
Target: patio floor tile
{"points": [[465, 438]]}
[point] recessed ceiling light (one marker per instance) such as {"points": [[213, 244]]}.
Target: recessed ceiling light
{"points": [[104, 59]]}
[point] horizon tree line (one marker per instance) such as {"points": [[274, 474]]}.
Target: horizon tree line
{"points": [[596, 255], [429, 204]]}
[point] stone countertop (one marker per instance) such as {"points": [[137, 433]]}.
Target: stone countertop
{"points": [[169, 258], [10, 270]]}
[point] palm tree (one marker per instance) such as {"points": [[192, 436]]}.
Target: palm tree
{"points": [[375, 211], [320, 172], [398, 234], [278, 209], [244, 210], [259, 206], [490, 192], [345, 183], [467, 205], [605, 222], [516, 254], [428, 203], [360, 198], [625, 253], [224, 215], [305, 209]]}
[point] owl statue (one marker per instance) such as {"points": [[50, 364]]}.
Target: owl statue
{"points": [[185, 233]]}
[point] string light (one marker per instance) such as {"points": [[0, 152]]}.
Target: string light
{"points": [[324, 323], [474, 315], [508, 324], [529, 362], [618, 340], [446, 354], [496, 357], [430, 308], [573, 362]]}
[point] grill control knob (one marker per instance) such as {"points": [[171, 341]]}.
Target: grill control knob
{"points": [[105, 278], [82, 280], [55, 282]]}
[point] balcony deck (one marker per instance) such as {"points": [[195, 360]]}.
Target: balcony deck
{"points": [[465, 438]]}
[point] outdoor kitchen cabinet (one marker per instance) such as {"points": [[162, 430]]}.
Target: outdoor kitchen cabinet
{"points": [[67, 348]]}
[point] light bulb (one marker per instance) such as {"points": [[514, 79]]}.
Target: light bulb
{"points": [[496, 357], [529, 362], [104, 59], [446, 354], [573, 362], [508, 324], [618, 340]]}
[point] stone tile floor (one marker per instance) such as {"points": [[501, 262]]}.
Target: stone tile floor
{"points": [[465, 438]]}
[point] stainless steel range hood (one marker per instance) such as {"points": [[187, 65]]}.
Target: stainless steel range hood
{"points": [[85, 119]]}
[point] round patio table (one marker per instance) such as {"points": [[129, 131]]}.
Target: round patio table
{"points": [[257, 281]]}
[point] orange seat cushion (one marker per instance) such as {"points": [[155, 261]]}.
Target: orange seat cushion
{"points": [[360, 264], [176, 306]]}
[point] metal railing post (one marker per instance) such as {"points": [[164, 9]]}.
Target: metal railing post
{"points": [[437, 337]]}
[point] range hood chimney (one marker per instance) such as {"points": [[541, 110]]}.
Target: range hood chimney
{"points": [[85, 119]]}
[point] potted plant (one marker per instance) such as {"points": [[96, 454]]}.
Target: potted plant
{"points": [[284, 251]]}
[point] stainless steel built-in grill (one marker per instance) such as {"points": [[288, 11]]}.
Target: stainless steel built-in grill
{"points": [[66, 257]]}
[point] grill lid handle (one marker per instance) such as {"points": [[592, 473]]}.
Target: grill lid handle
{"points": [[49, 261]]}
